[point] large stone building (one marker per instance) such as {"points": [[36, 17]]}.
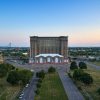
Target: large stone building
{"points": [[48, 49]]}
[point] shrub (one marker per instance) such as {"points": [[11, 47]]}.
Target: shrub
{"points": [[3, 72], [86, 79], [69, 75], [16, 76], [5, 68], [13, 77], [82, 65], [98, 91], [37, 91], [77, 74], [79, 88], [40, 80], [38, 85], [51, 70], [40, 74], [25, 76], [73, 65]]}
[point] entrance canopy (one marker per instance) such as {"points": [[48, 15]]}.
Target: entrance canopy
{"points": [[51, 55]]}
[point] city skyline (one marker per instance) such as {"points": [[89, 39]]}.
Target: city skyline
{"points": [[77, 19]]}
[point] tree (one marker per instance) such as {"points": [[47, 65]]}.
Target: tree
{"points": [[77, 74], [25, 76], [37, 91], [51, 70], [16, 76], [38, 85], [3, 70], [13, 77], [73, 65], [40, 74], [86, 79], [82, 65], [98, 91]]}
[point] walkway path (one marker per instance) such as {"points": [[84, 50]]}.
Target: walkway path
{"points": [[70, 89]]}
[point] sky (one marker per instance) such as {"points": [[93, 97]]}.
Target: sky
{"points": [[77, 19]]}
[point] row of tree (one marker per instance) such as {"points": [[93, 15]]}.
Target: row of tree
{"points": [[41, 76], [14, 75], [5, 68], [79, 74], [82, 76], [19, 77], [81, 65]]}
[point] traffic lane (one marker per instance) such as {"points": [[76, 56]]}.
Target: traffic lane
{"points": [[29, 92]]}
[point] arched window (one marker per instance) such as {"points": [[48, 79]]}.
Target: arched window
{"points": [[48, 59], [56, 60], [41, 60]]}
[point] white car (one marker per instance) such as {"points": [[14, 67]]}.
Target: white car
{"points": [[32, 70], [27, 85], [22, 94], [20, 97]]}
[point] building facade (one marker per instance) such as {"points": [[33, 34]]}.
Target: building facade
{"points": [[48, 49]]}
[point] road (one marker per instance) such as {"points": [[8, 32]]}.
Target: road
{"points": [[29, 92], [70, 88]]}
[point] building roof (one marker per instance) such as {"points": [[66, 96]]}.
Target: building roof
{"points": [[46, 55]]}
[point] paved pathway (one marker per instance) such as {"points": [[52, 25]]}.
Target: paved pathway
{"points": [[70, 89]]}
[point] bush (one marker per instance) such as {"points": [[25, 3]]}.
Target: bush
{"points": [[77, 74], [40, 80], [5, 68], [73, 65], [82, 65], [3, 72], [38, 85], [79, 88], [13, 77], [25, 76], [37, 91], [51, 70], [40, 74], [16, 76], [86, 79], [98, 91], [69, 75]]}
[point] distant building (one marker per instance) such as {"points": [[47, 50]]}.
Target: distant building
{"points": [[48, 49]]}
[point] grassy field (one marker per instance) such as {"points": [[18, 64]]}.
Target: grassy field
{"points": [[96, 63], [8, 92], [91, 90], [52, 89]]}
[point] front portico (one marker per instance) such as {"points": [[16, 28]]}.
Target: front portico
{"points": [[49, 58]]}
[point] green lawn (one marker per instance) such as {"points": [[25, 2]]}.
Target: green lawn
{"points": [[91, 90], [51, 89], [8, 92], [96, 63]]}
